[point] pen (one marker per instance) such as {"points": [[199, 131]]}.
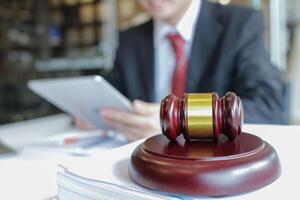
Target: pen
{"points": [[85, 139]]}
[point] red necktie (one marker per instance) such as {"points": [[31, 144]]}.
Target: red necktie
{"points": [[180, 72]]}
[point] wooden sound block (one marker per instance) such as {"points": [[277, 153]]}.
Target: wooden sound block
{"points": [[204, 168]]}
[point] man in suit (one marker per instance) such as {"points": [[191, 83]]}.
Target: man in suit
{"points": [[219, 49]]}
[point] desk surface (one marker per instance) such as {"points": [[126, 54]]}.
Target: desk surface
{"points": [[34, 130], [32, 172], [30, 175], [33, 175], [285, 140]]}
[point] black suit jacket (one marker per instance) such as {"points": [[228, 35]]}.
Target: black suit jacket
{"points": [[227, 54]]}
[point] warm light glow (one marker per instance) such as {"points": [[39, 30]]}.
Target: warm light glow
{"points": [[224, 2]]}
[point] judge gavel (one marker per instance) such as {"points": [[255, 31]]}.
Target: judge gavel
{"points": [[201, 116]]}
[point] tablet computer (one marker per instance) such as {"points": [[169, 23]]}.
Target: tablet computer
{"points": [[83, 96]]}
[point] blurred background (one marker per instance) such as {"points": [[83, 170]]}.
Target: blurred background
{"points": [[62, 38]]}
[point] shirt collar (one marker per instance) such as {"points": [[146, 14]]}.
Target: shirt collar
{"points": [[185, 27]]}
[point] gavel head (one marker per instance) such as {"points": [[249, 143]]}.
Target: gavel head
{"points": [[201, 116]]}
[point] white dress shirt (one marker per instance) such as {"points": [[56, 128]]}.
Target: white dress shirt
{"points": [[164, 54]]}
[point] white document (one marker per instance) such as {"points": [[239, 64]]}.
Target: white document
{"points": [[83, 97], [103, 176]]}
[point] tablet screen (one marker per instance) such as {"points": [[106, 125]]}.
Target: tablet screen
{"points": [[83, 97]]}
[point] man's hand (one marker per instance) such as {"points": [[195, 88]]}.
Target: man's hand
{"points": [[142, 122]]}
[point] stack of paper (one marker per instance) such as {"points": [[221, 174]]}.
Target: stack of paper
{"points": [[102, 176]]}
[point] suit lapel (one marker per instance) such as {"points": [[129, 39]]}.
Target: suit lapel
{"points": [[207, 33], [146, 52]]}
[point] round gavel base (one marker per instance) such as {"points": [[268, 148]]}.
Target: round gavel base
{"points": [[204, 168]]}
